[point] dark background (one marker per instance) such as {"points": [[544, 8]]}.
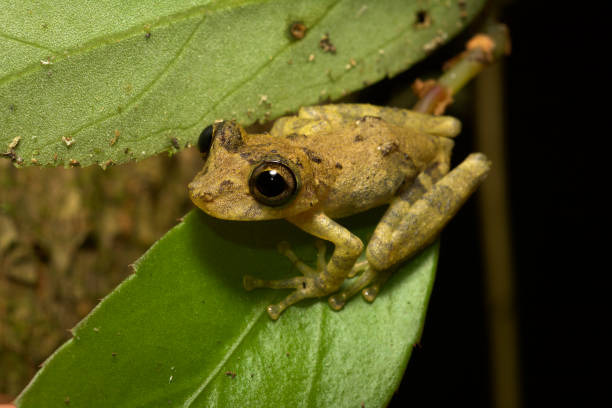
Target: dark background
{"points": [[548, 83]]}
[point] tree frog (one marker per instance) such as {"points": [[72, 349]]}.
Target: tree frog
{"points": [[331, 161]]}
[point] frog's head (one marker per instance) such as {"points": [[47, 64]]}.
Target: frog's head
{"points": [[251, 177]]}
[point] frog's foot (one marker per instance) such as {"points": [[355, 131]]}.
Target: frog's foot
{"points": [[369, 276], [307, 286], [371, 291]]}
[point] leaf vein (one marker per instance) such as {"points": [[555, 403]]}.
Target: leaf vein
{"points": [[26, 42], [231, 351], [315, 377], [142, 93], [239, 85]]}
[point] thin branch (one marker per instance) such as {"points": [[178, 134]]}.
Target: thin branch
{"points": [[480, 51]]}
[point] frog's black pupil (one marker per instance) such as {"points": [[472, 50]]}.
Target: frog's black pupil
{"points": [[205, 139], [270, 183]]}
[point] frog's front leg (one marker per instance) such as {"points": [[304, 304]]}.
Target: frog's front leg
{"points": [[328, 277]]}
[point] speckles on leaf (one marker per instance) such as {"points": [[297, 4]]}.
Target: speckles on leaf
{"points": [[358, 138], [175, 143], [361, 11], [263, 100], [338, 166], [68, 140], [297, 30], [147, 30], [326, 45], [423, 20], [462, 9], [435, 42], [107, 164], [115, 138], [14, 143], [10, 153]]}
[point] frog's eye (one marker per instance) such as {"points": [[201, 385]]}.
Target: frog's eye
{"points": [[273, 183], [205, 139]]}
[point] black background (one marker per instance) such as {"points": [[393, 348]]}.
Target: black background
{"points": [[553, 135]]}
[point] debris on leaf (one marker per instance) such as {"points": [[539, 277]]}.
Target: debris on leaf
{"points": [[297, 30], [326, 44], [68, 140]]}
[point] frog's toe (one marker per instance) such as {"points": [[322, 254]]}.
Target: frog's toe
{"points": [[274, 311], [338, 300], [251, 283], [285, 249], [304, 288], [372, 291], [358, 268]]}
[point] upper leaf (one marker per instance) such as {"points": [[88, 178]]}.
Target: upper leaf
{"points": [[111, 80]]}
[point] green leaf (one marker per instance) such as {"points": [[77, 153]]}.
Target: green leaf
{"points": [[112, 80], [182, 331]]}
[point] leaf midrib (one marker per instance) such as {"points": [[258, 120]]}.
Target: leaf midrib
{"points": [[228, 355]]}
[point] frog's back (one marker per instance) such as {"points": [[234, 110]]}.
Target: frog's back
{"points": [[362, 162]]}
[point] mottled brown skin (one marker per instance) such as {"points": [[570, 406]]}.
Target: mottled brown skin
{"points": [[347, 159]]}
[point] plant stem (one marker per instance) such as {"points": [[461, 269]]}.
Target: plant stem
{"points": [[481, 50]]}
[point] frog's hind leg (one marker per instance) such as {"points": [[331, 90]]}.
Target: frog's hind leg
{"points": [[419, 223], [374, 278]]}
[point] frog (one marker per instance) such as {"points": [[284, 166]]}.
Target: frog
{"points": [[328, 162]]}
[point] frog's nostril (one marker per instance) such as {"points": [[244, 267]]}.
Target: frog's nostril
{"points": [[191, 187], [206, 196]]}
